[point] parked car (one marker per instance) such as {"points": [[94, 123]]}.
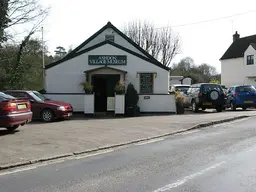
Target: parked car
{"points": [[43, 108], [242, 96], [205, 96], [179, 87], [14, 112]]}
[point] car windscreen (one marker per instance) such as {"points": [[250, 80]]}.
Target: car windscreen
{"points": [[182, 88], [4, 96], [241, 89], [209, 87], [38, 96]]}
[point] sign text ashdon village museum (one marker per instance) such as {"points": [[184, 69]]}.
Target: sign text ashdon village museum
{"points": [[107, 59]]}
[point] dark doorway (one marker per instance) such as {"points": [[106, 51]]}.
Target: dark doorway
{"points": [[103, 86]]}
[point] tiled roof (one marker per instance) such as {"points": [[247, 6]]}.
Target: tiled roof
{"points": [[238, 47]]}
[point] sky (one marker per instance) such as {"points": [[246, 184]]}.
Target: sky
{"points": [[71, 22]]}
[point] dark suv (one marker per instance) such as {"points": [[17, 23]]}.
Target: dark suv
{"points": [[205, 96]]}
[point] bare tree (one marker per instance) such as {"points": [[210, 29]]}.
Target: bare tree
{"points": [[24, 11], [163, 44], [19, 12]]}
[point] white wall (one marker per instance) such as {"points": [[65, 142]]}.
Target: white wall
{"points": [[250, 70], [157, 103], [66, 77], [77, 101], [232, 72], [177, 80], [187, 81], [118, 40]]}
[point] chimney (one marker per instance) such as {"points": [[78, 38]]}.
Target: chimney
{"points": [[236, 36]]}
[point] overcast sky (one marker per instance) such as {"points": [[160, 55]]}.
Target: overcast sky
{"points": [[72, 22]]}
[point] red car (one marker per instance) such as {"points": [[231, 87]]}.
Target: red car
{"points": [[14, 112], [43, 108]]}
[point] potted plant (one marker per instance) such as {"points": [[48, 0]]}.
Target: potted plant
{"points": [[88, 88], [119, 88], [179, 98], [131, 101], [119, 98], [88, 98]]}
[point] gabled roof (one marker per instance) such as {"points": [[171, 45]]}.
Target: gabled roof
{"points": [[253, 45], [110, 25], [238, 47], [153, 61]]}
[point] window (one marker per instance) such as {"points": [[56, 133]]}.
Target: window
{"points": [[4, 96], [182, 88], [110, 38], [250, 60], [244, 89], [209, 87], [37, 96], [146, 83], [19, 95]]}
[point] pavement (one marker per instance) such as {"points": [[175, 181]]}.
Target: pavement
{"points": [[42, 141], [217, 158]]}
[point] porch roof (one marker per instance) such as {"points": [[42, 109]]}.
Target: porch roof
{"points": [[105, 67]]}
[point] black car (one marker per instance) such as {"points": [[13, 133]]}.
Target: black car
{"points": [[205, 96]]}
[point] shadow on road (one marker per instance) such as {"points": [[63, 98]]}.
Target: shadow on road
{"points": [[4, 132]]}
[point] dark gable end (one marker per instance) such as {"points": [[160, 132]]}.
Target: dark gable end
{"points": [[76, 51], [110, 25], [155, 62], [238, 47]]}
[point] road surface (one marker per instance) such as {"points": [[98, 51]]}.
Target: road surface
{"points": [[218, 158]]}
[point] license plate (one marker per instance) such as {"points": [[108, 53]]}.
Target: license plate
{"points": [[22, 106], [207, 103], [70, 114], [248, 101]]}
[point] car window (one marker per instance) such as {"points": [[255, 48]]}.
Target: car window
{"points": [[18, 94], [241, 89], [209, 87], [37, 96], [4, 96], [230, 89], [182, 88]]}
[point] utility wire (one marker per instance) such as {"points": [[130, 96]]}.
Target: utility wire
{"points": [[210, 20]]}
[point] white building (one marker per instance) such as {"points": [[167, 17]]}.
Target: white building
{"points": [[179, 80], [105, 58], [238, 62]]}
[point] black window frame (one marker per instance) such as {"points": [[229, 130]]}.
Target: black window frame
{"points": [[250, 59], [152, 89], [110, 37]]}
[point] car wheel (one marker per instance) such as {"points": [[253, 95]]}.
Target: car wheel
{"points": [[233, 106], [244, 108], [47, 115], [219, 109], [12, 128], [194, 107]]}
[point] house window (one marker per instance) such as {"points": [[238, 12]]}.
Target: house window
{"points": [[110, 38], [250, 60], [146, 83]]}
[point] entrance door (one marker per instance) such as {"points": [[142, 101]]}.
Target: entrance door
{"points": [[100, 90], [103, 87]]}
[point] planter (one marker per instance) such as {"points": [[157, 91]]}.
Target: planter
{"points": [[132, 111], [119, 104], [180, 108], [89, 103]]}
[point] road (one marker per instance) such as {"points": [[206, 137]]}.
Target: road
{"points": [[218, 158]]}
